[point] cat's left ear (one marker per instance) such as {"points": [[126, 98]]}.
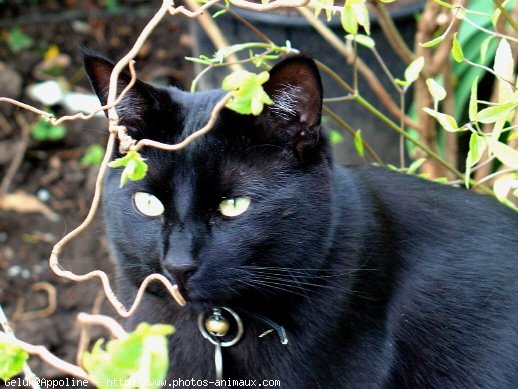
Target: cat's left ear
{"points": [[136, 104], [296, 90]]}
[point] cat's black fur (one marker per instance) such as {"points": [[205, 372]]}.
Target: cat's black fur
{"points": [[381, 280]]}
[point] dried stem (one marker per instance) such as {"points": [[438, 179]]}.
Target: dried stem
{"points": [[18, 156], [391, 33], [49, 310], [104, 321], [202, 131]]}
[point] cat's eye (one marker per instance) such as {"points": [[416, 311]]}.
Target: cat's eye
{"points": [[148, 204], [234, 206]]}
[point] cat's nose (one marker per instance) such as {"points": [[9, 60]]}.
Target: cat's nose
{"points": [[180, 273]]}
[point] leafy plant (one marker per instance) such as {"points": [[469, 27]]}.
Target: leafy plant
{"points": [[138, 360], [45, 131], [248, 95], [135, 167], [18, 41], [93, 155], [12, 359]]}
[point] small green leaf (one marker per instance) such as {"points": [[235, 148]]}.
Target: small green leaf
{"points": [[12, 359], [484, 47], [402, 82], [444, 4], [93, 155], [415, 165], [494, 113], [456, 49], [433, 42], [414, 69], [140, 359], [17, 40], [506, 154], [335, 137], [361, 39], [446, 121], [135, 167], [46, 131], [358, 143], [248, 95], [436, 90], [477, 145], [504, 68], [505, 184], [473, 101], [349, 20]]}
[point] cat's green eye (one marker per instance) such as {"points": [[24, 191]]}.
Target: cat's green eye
{"points": [[234, 206], [148, 204]]}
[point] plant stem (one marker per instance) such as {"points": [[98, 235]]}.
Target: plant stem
{"points": [[351, 131], [432, 154], [506, 15], [392, 34]]}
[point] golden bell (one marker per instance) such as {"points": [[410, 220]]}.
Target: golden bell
{"points": [[217, 325]]}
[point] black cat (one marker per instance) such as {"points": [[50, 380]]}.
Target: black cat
{"points": [[380, 279]]}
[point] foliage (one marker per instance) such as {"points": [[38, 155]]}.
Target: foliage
{"points": [[135, 167], [248, 95], [45, 131], [12, 359], [93, 155], [138, 360], [18, 41]]}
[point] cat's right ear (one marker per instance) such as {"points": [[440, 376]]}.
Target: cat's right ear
{"points": [[296, 90], [136, 103]]}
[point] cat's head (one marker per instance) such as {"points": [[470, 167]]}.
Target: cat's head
{"points": [[242, 213]]}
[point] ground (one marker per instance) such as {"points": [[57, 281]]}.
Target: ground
{"points": [[51, 171]]}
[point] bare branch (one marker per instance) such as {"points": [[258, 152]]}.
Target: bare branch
{"points": [[202, 131]]}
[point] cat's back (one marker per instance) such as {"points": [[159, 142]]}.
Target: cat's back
{"points": [[453, 255]]}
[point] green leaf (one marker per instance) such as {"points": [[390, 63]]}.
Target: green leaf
{"points": [[494, 113], [433, 42], [484, 47], [12, 359], [349, 20], [140, 359], [444, 4], [477, 145], [414, 69], [436, 90], [17, 40], [506, 154], [358, 143], [219, 13], [93, 155], [456, 49], [135, 167], [504, 184], [248, 95], [446, 121], [335, 137], [473, 101], [415, 165], [504, 68], [361, 39], [362, 14], [402, 82], [46, 131]]}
